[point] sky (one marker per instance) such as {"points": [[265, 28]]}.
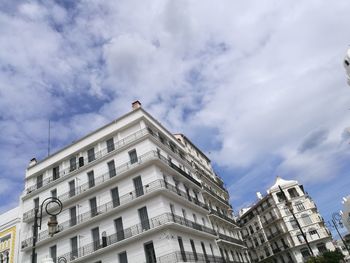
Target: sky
{"points": [[258, 85]]}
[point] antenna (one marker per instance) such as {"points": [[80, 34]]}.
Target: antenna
{"points": [[48, 139]]}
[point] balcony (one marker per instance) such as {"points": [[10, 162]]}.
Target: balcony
{"points": [[222, 216], [202, 173], [215, 195], [183, 256], [151, 155], [110, 206], [274, 234], [98, 155], [131, 232], [231, 240]]}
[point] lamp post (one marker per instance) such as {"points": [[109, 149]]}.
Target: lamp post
{"points": [[52, 224], [337, 221]]}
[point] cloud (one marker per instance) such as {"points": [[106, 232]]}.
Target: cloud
{"points": [[251, 83], [313, 139]]}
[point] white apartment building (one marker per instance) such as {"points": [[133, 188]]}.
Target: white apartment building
{"points": [[271, 232], [346, 212], [9, 236], [131, 192]]}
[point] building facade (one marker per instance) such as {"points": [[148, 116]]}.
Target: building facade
{"points": [[9, 236], [346, 212], [271, 232], [131, 192]]}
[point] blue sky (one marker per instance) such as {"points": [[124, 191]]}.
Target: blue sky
{"points": [[258, 85]]}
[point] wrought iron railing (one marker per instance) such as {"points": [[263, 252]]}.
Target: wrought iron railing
{"points": [[216, 195], [98, 155], [132, 232], [151, 155], [231, 239], [105, 208], [218, 214]]}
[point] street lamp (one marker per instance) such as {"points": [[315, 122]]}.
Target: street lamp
{"points": [[52, 224], [337, 222]]}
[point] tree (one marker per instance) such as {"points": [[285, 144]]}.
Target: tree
{"points": [[327, 257]]}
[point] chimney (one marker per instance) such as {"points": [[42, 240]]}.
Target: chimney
{"points": [[136, 104], [32, 162], [259, 195]]}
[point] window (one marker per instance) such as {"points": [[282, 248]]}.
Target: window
{"points": [[293, 223], [172, 209], [305, 253], [321, 247], [95, 232], [300, 238], [56, 173], [54, 193], [150, 254], [91, 154], [123, 257], [110, 145], [39, 181], [184, 213], [115, 197], [306, 219], [138, 186], [194, 250], [91, 178], [53, 253], [299, 205], [133, 156], [144, 218], [195, 218], [72, 164], [74, 247], [204, 252], [93, 206], [73, 216], [251, 229], [118, 223], [280, 197], [203, 220], [182, 250], [81, 161], [313, 233], [71, 188], [188, 193], [111, 169], [293, 192]]}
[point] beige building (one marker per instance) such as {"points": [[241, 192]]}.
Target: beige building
{"points": [[271, 232], [9, 230]]}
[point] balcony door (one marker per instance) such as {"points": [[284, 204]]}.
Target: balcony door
{"points": [[150, 254], [144, 218]]}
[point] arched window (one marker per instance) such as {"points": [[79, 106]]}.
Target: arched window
{"points": [[1, 258]]}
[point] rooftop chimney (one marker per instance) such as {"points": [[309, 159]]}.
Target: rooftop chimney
{"points": [[259, 195], [136, 104], [32, 162]]}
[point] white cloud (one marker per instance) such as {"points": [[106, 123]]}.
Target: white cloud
{"points": [[260, 77]]}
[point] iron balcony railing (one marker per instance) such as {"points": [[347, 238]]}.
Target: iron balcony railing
{"points": [[216, 195], [225, 217], [105, 208], [132, 232], [231, 239], [151, 155], [183, 256], [98, 155], [201, 172], [274, 234]]}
